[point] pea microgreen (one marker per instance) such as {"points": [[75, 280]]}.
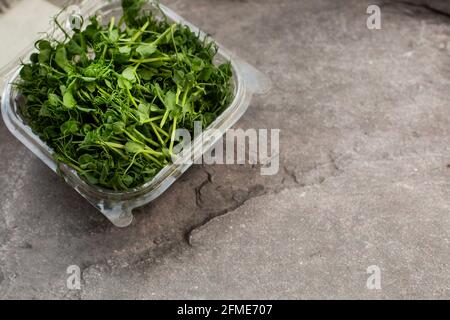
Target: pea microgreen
{"points": [[108, 98]]}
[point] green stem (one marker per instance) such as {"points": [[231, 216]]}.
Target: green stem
{"points": [[150, 157], [157, 133], [153, 143], [170, 29], [140, 31], [183, 102], [111, 24], [73, 166], [131, 98], [131, 136], [153, 119], [114, 147], [103, 91], [149, 60], [112, 144], [104, 52], [164, 119], [120, 153], [151, 151], [177, 96]]}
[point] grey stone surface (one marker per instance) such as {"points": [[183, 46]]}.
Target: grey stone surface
{"points": [[365, 145]]}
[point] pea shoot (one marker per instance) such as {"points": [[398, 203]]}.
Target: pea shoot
{"points": [[108, 98]]}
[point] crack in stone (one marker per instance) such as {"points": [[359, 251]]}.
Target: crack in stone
{"points": [[198, 189], [234, 207], [255, 191], [259, 190], [239, 198]]}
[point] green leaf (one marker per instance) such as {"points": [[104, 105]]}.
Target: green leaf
{"points": [[43, 45], [124, 83], [44, 56], [91, 137], [45, 111], [26, 73], [86, 128], [61, 58], [118, 127], [53, 99], [125, 50], [127, 180], [90, 177], [68, 100], [178, 78], [146, 74], [169, 100], [91, 87], [146, 50], [114, 36], [130, 74], [143, 112], [144, 108], [69, 127], [189, 79], [134, 147], [155, 108], [34, 58], [73, 47], [205, 74], [197, 64]]}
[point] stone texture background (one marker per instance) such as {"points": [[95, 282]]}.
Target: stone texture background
{"points": [[364, 179]]}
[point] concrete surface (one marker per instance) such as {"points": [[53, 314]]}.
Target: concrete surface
{"points": [[365, 146]]}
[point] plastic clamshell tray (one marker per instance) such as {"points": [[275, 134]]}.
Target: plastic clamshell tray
{"points": [[118, 206]]}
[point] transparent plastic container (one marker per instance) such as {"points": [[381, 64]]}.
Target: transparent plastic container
{"points": [[118, 206]]}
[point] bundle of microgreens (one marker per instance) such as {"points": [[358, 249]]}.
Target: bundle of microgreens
{"points": [[108, 99]]}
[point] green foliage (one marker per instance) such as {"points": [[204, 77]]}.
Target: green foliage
{"points": [[108, 99]]}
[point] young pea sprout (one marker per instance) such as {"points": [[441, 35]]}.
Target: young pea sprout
{"points": [[108, 99]]}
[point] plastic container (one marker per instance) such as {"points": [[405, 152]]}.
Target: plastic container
{"points": [[118, 206]]}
